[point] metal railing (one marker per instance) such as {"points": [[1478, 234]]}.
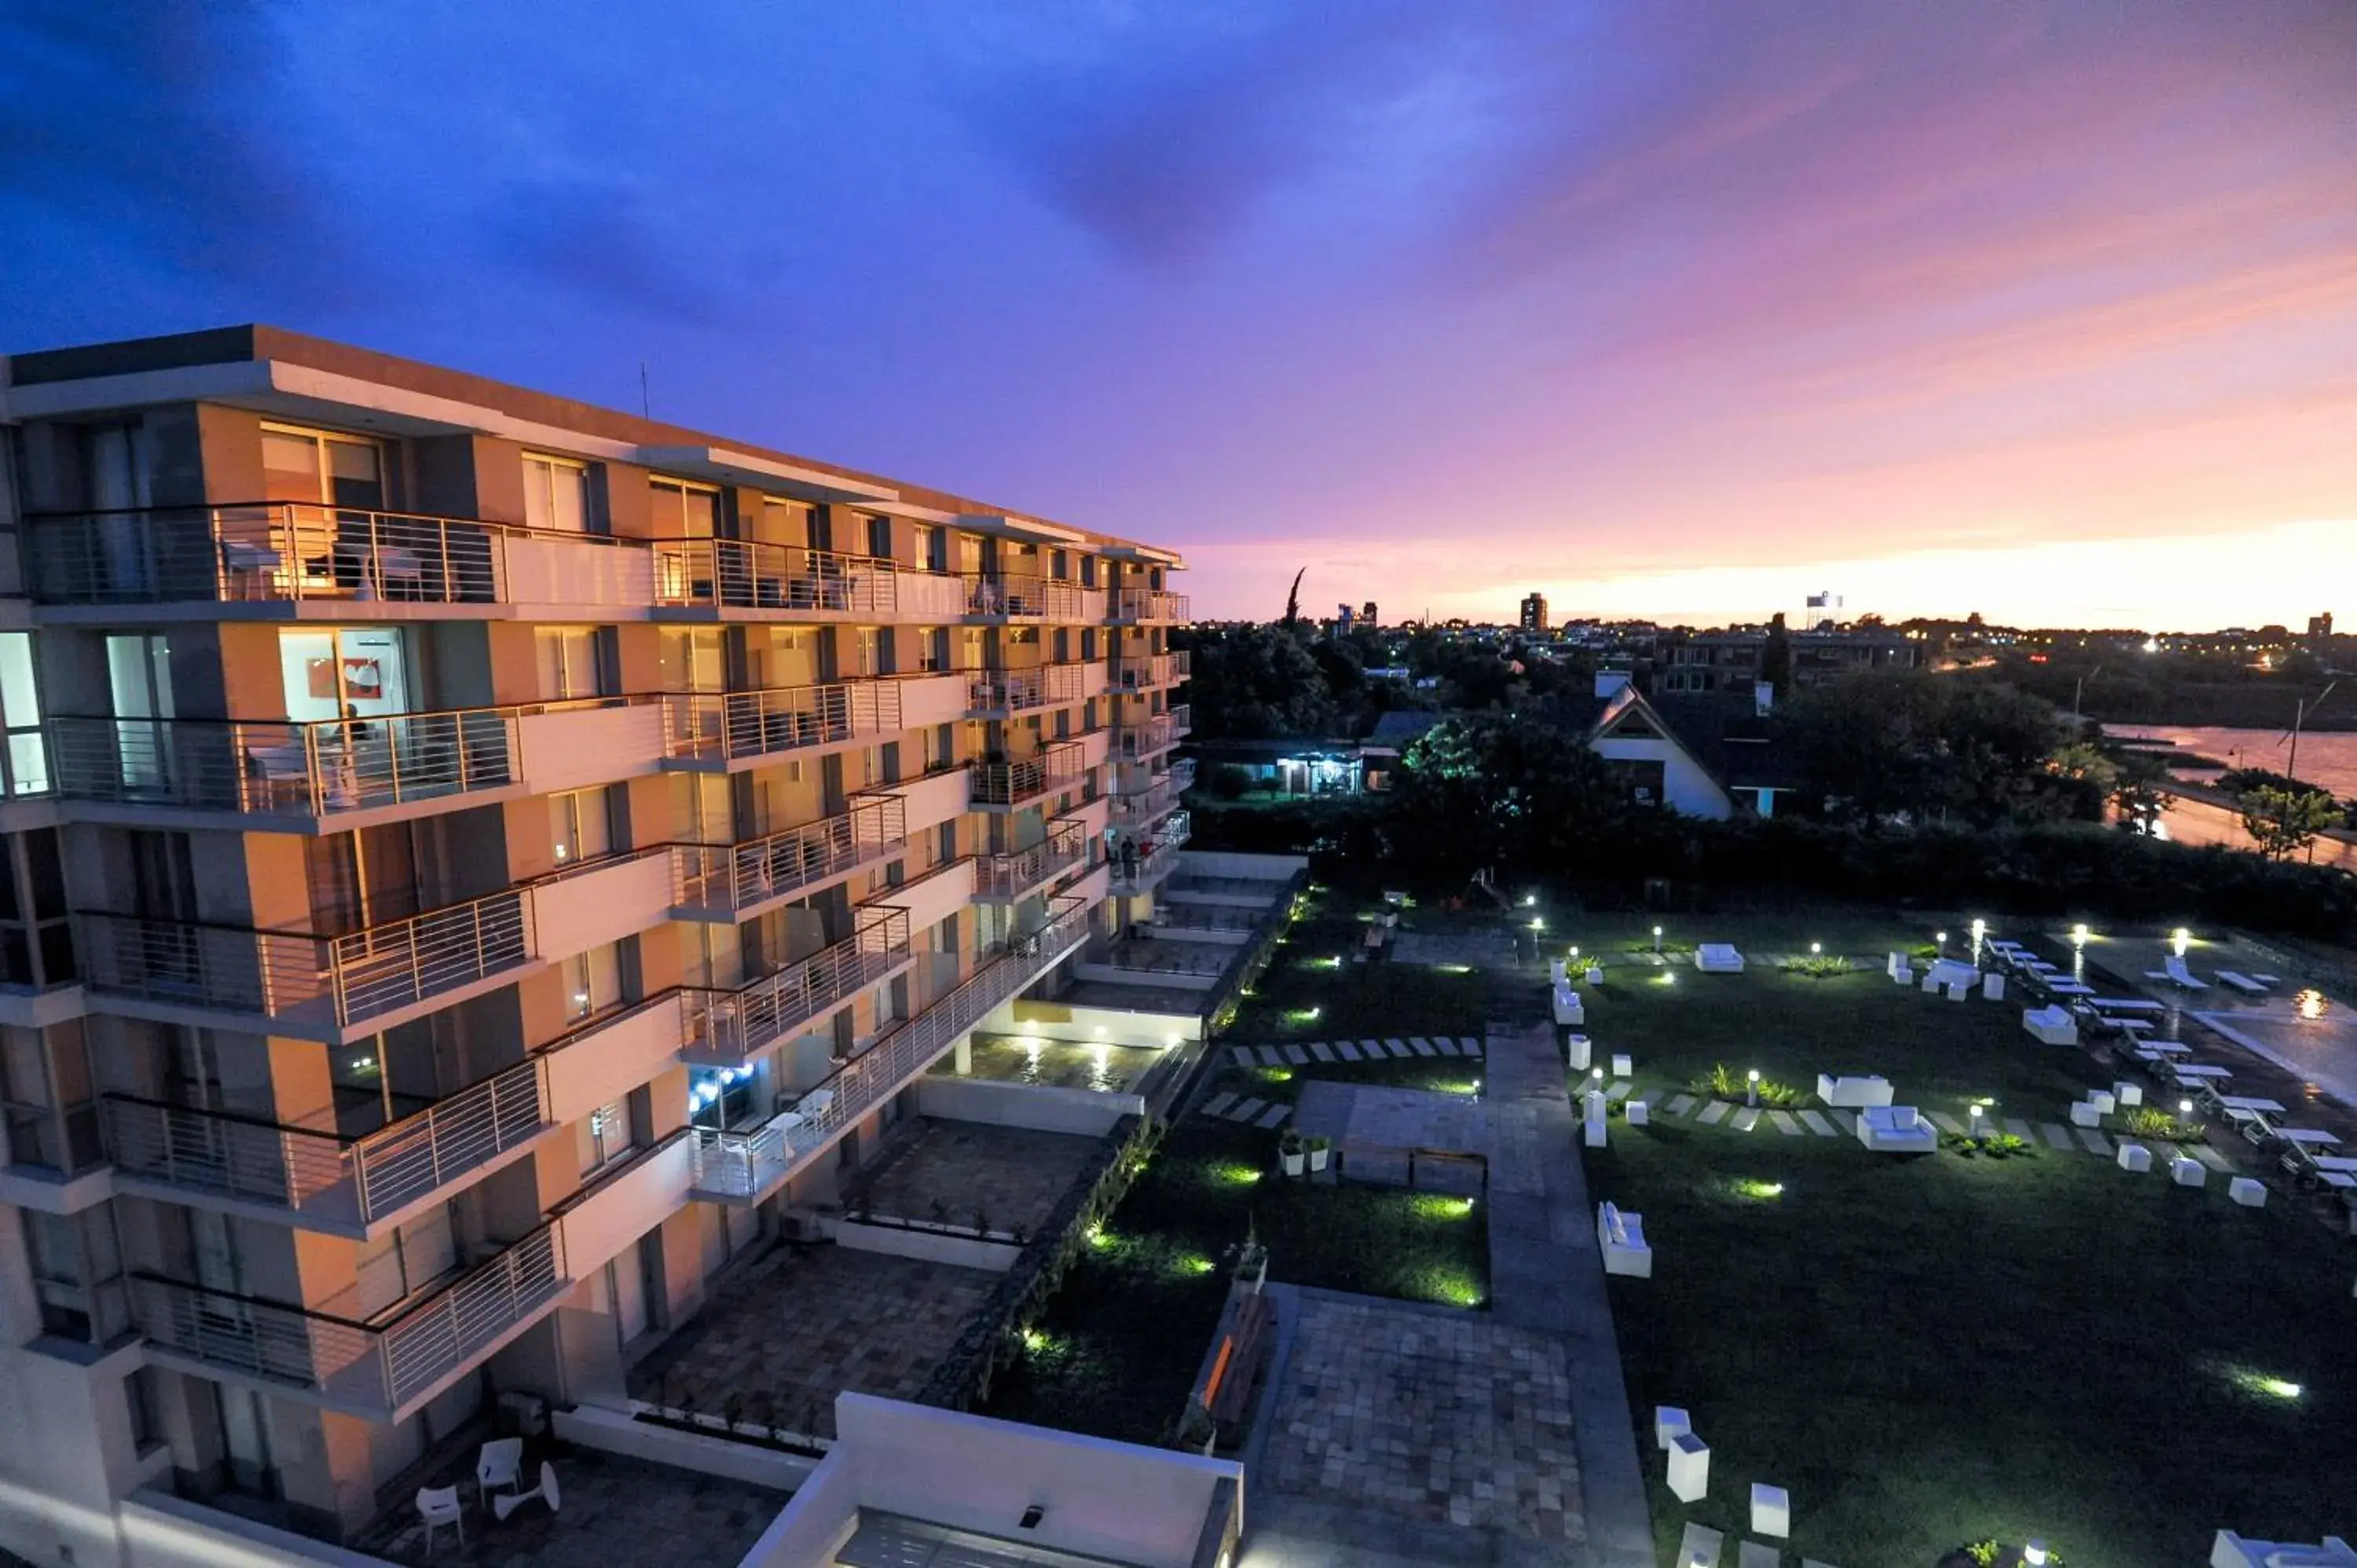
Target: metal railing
{"points": [[1148, 670], [749, 1164], [378, 1366], [1134, 874], [1057, 769], [1145, 802], [269, 766], [732, 876], [1182, 719], [737, 574], [1182, 665], [1144, 736], [728, 1027], [293, 550], [1182, 773], [356, 977], [718, 726], [1011, 875], [1022, 596], [1013, 691], [303, 1169], [1148, 605]]}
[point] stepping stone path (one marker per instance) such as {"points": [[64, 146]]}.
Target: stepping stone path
{"points": [[1244, 1110], [1757, 1554], [1345, 1050], [1241, 1054], [1275, 1116], [1745, 1118], [1372, 1049], [1619, 1090], [1423, 1046], [1945, 1123], [1785, 1124], [1679, 1106], [1317, 1048], [2020, 1129], [1217, 1103], [1472, 1047], [1817, 1123], [1269, 1056], [2210, 1157], [1296, 1056], [1396, 1048], [1715, 1112], [1699, 1546], [2096, 1143], [2056, 1137], [1448, 1047], [1846, 1119]]}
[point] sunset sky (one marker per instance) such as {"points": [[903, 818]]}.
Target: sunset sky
{"points": [[1668, 309]]}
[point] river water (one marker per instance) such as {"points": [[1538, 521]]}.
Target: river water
{"points": [[2327, 760]]}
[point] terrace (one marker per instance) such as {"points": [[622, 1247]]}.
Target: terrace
{"points": [[1059, 1064], [946, 1172]]}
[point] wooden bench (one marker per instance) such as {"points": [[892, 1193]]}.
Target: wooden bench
{"points": [[1236, 1370]]}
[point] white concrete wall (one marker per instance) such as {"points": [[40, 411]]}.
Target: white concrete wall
{"points": [[603, 1066], [601, 905], [65, 1454], [1158, 979], [928, 802], [1235, 862], [618, 1433], [934, 899], [1687, 789], [812, 1528], [599, 1226], [926, 700], [574, 747], [1087, 1026], [968, 1252], [1041, 1108], [164, 1531]]}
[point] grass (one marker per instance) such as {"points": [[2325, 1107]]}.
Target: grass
{"points": [[1304, 994], [1927, 1352]]}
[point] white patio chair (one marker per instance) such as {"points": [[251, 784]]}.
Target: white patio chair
{"points": [[499, 1466], [438, 1506]]}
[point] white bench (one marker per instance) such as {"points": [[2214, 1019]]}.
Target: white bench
{"points": [[2050, 1025], [1719, 958], [1568, 1008], [1621, 1238], [1896, 1130], [1854, 1092]]}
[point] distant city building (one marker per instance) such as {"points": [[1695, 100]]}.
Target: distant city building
{"points": [[2320, 626], [1342, 618], [1534, 612], [1822, 609], [1729, 660], [1367, 614]]}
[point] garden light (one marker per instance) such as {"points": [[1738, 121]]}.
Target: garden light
{"points": [[2185, 1108], [2180, 938], [1574, 949], [1940, 938], [1980, 929], [2078, 936], [1538, 923], [1529, 900], [2034, 1555], [2280, 1388]]}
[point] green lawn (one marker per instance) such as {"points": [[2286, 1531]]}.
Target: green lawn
{"points": [[1929, 1351], [1314, 972]]}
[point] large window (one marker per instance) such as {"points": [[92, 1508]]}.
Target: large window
{"points": [[78, 1274], [320, 466], [556, 494], [593, 982], [37, 949], [347, 672], [28, 768], [574, 661], [581, 823], [683, 510]]}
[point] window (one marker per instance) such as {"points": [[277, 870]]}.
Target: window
{"points": [[574, 661], [932, 548], [556, 494], [47, 1098], [1088, 571], [581, 824], [784, 523], [683, 510], [321, 466], [867, 658], [603, 1136], [77, 1271], [36, 936], [593, 982], [20, 706], [880, 536], [690, 660]]}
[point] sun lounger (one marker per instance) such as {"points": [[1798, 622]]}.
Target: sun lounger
{"points": [[2127, 1005], [2176, 974], [2242, 982]]}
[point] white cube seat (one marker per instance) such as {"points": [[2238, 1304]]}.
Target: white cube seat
{"points": [[2083, 1114], [1668, 1422], [1689, 1467], [2186, 1172], [2248, 1192], [1771, 1510], [2133, 1157]]}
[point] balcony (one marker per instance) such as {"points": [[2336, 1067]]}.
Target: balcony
{"points": [[794, 580], [727, 1028], [1006, 878], [1147, 607], [1134, 806], [1000, 596], [1008, 785], [287, 555], [736, 881], [1142, 869], [317, 987], [1182, 720], [745, 1167], [1145, 737], [1002, 693], [1151, 672], [381, 1369], [1182, 774], [344, 1184], [727, 729]]}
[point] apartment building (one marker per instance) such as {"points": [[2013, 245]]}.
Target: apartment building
{"points": [[469, 861]]}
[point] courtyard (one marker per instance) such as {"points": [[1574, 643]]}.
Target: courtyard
{"points": [[1059, 1064], [973, 1175]]}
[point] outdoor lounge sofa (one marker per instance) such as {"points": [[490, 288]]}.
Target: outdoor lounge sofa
{"points": [[1621, 1238], [1719, 958], [1896, 1130]]}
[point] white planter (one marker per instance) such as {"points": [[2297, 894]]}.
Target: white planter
{"points": [[1293, 1165], [1318, 1159]]}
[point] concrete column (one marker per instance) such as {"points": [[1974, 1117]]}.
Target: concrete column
{"points": [[964, 1057]]}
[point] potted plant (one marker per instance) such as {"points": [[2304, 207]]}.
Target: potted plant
{"points": [[1319, 1148], [1290, 1148]]}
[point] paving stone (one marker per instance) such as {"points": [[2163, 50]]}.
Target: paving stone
{"points": [[1714, 1113], [1241, 1054], [1244, 1109], [2020, 1129], [2094, 1140], [1296, 1056], [2057, 1137], [1274, 1116], [1757, 1554], [1448, 1047], [1817, 1123], [1845, 1119], [1812, 1563], [1945, 1123], [1699, 1544], [2210, 1157], [1422, 1045], [1472, 1047], [1217, 1103], [1679, 1105], [1745, 1118], [1269, 1056], [1620, 1090], [1372, 1049], [1345, 1050], [1785, 1124], [1317, 1048], [1396, 1048]]}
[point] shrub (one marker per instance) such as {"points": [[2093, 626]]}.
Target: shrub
{"points": [[1229, 782], [1724, 1084], [1817, 966], [1996, 1145], [2151, 1122]]}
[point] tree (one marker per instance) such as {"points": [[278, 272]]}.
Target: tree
{"points": [[1890, 745], [1506, 791], [1776, 658], [2136, 793], [1258, 682], [2285, 821], [1293, 600]]}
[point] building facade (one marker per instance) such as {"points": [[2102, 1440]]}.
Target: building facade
{"points": [[1534, 612], [472, 861]]}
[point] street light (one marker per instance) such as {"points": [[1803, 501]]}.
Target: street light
{"points": [[1657, 938]]}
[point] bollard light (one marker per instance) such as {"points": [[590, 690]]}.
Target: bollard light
{"points": [[2034, 1555], [2180, 938], [2079, 936]]}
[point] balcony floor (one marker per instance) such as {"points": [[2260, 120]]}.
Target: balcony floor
{"points": [[785, 1334], [616, 1510], [946, 1170]]}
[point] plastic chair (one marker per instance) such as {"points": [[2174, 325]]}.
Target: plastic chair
{"points": [[499, 1465], [438, 1506]]}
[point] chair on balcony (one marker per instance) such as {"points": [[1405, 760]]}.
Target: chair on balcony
{"points": [[500, 1464], [438, 1506]]}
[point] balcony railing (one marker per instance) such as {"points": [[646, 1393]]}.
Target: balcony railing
{"points": [[292, 550], [1182, 720], [729, 1026], [1059, 768], [742, 575], [265, 766], [1147, 672], [1003, 877], [352, 1180], [1182, 773], [1013, 690], [749, 1164], [1148, 605], [723, 727], [378, 1366], [1016, 596], [727, 877], [343, 980], [1146, 801], [1144, 736], [1135, 873]]}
